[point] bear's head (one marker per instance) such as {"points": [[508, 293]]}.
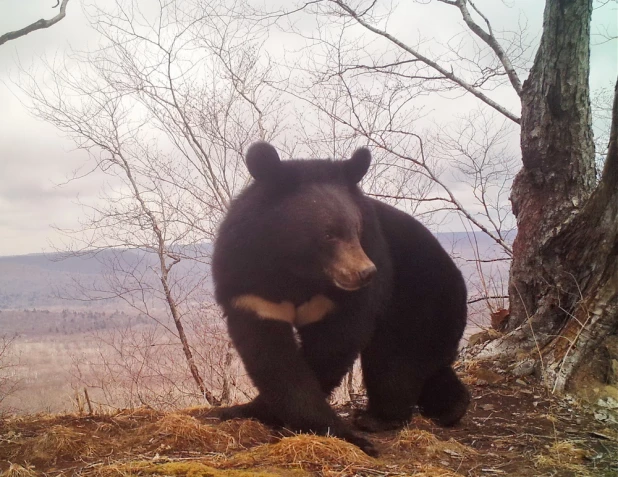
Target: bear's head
{"points": [[314, 214]]}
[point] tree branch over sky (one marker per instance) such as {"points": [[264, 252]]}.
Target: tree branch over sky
{"points": [[443, 70], [38, 25], [165, 110]]}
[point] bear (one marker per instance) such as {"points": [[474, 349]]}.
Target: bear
{"points": [[311, 273]]}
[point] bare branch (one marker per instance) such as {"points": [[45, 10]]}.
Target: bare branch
{"points": [[450, 75], [489, 38], [38, 25], [484, 298]]}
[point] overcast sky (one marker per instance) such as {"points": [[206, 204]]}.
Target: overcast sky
{"points": [[35, 158]]}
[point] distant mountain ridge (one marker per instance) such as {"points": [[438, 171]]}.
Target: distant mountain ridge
{"points": [[34, 280], [38, 280]]}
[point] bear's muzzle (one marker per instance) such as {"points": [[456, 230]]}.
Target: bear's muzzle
{"points": [[351, 268]]}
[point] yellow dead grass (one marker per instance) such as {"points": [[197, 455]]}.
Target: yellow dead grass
{"points": [[426, 444], [183, 431], [186, 468], [435, 471], [16, 470], [564, 455], [139, 414], [307, 452], [117, 445], [59, 442], [247, 432]]}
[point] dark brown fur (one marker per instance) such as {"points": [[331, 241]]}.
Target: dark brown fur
{"points": [[304, 229]]}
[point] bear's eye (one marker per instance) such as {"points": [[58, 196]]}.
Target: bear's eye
{"points": [[329, 236]]}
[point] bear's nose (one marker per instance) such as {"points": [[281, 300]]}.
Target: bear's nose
{"points": [[367, 274]]}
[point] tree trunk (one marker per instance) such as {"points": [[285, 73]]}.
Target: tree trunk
{"points": [[563, 285], [226, 392], [195, 373]]}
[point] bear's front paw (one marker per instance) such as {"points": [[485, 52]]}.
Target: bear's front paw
{"points": [[369, 423], [241, 411], [365, 445]]}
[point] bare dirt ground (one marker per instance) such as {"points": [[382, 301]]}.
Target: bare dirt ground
{"points": [[514, 427]]}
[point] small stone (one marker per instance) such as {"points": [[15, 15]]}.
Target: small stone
{"points": [[609, 403], [525, 368]]}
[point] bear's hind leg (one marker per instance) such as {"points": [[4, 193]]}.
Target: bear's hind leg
{"points": [[444, 398]]}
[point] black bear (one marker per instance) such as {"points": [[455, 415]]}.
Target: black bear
{"points": [[303, 248]]}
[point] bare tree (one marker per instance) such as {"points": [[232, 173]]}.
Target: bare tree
{"points": [[564, 278], [165, 109], [349, 100], [38, 25], [354, 88], [9, 381], [562, 286]]}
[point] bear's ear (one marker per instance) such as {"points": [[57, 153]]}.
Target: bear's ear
{"points": [[357, 166], [262, 161]]}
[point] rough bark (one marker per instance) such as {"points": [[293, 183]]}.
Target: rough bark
{"points": [[558, 171], [564, 279], [590, 244]]}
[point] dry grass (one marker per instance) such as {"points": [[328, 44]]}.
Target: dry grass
{"points": [[16, 470], [180, 431], [189, 469], [564, 455], [506, 432], [59, 443], [247, 433], [139, 413], [427, 444], [475, 374], [327, 455], [435, 471]]}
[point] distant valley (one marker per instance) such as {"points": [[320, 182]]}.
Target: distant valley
{"points": [[54, 280]]}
